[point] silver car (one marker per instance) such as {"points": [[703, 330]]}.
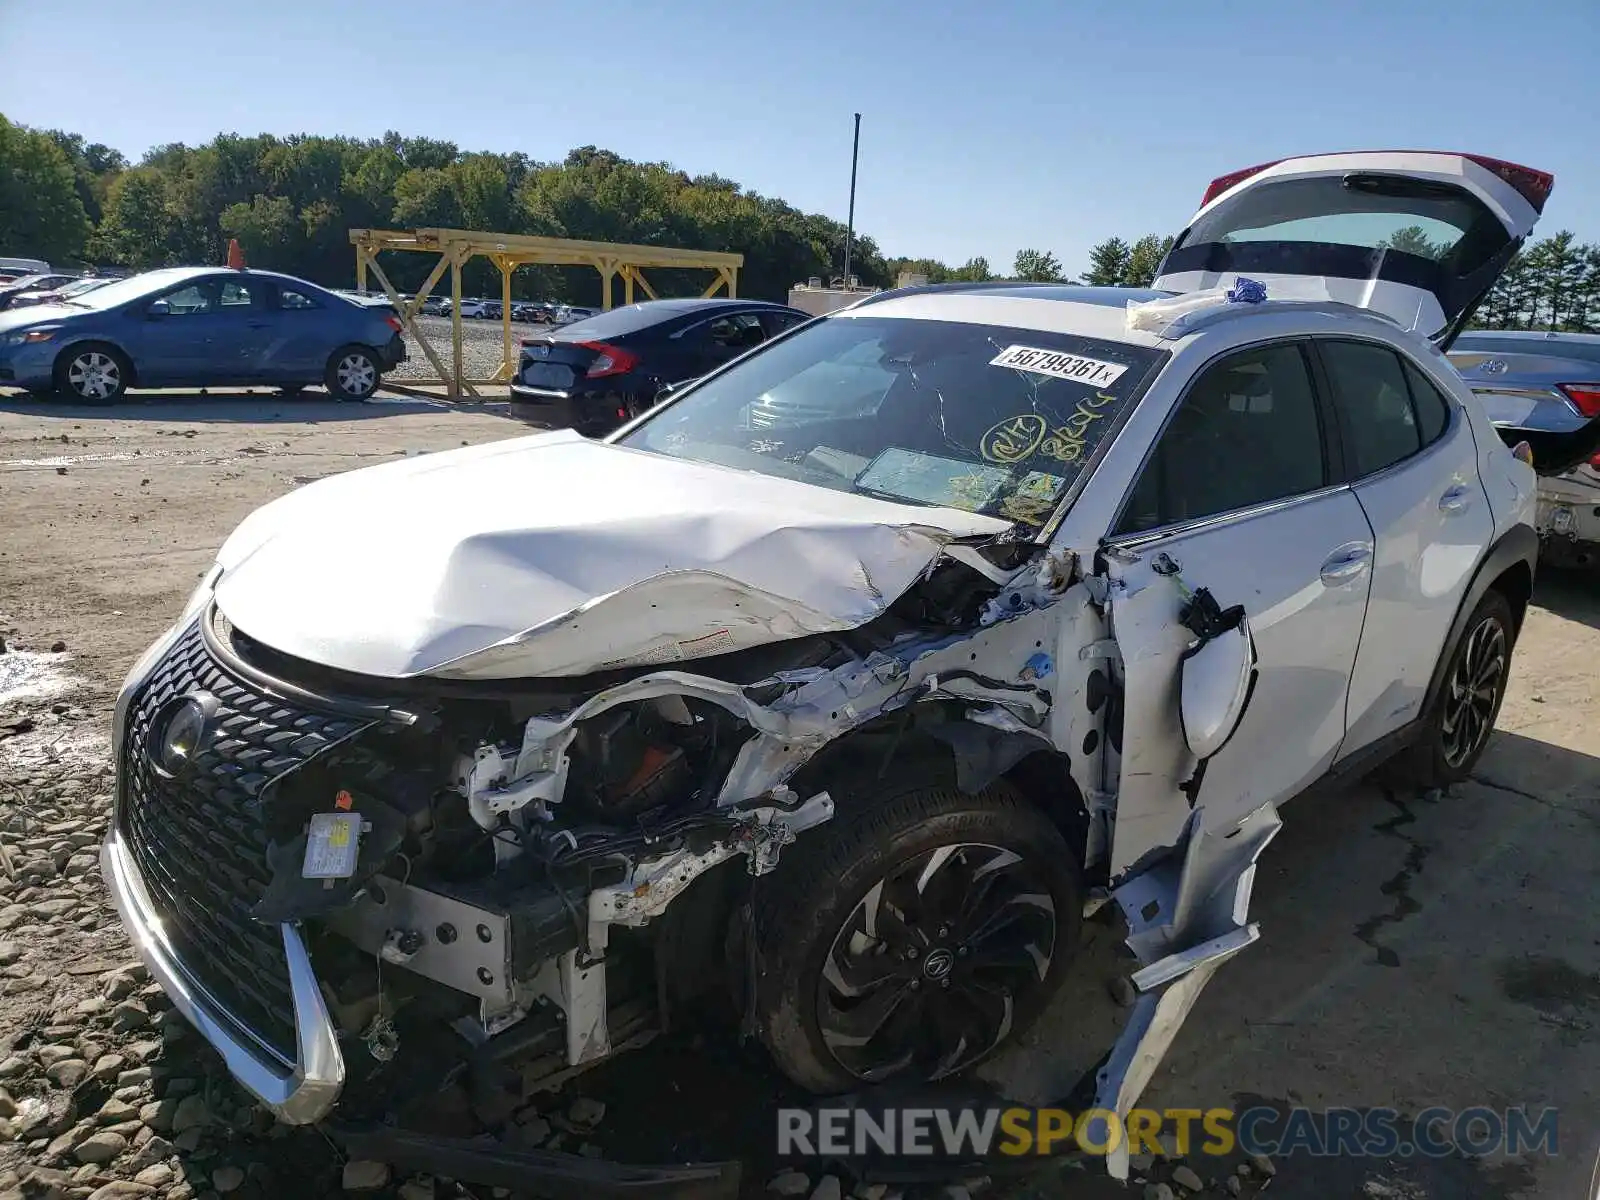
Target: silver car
{"points": [[1098, 580], [1545, 388]]}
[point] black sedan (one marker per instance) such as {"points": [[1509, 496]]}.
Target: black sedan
{"points": [[600, 372]]}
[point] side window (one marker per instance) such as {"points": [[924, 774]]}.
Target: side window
{"points": [[1246, 433], [1433, 409], [1375, 405], [187, 301], [291, 299], [233, 294], [777, 322], [736, 333]]}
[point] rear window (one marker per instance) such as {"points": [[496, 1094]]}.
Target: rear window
{"points": [[1417, 217], [984, 418], [620, 321]]}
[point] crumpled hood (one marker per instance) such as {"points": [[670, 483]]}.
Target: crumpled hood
{"points": [[556, 555]]}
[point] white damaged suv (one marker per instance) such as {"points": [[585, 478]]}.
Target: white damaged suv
{"points": [[846, 678]]}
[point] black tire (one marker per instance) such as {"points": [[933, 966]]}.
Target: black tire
{"points": [[1457, 727], [93, 373], [353, 373], [827, 882]]}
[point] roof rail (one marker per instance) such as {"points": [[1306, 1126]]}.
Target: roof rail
{"points": [[1193, 320], [924, 289]]}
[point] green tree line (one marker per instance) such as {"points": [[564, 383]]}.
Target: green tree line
{"points": [[291, 202]]}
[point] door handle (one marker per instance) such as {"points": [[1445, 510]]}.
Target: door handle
{"points": [[1346, 563], [256, 325], [1455, 499]]}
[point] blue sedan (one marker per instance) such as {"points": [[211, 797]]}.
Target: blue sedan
{"points": [[199, 327]]}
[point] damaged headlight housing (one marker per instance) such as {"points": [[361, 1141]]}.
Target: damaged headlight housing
{"points": [[136, 674]]}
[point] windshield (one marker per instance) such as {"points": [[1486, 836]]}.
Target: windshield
{"points": [[121, 291], [987, 419]]}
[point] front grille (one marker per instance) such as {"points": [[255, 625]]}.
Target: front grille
{"points": [[200, 842]]}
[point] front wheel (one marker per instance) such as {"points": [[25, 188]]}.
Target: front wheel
{"points": [[93, 373], [910, 938], [353, 373], [1456, 729]]}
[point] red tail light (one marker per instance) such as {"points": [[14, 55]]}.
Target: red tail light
{"points": [[1586, 396], [1533, 186], [612, 360], [393, 323], [1223, 182]]}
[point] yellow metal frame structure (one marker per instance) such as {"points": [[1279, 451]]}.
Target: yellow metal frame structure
{"points": [[508, 251]]}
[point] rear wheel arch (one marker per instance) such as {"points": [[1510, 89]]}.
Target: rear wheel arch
{"points": [[1508, 567], [1516, 584]]}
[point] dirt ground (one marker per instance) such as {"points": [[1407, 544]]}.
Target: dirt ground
{"points": [[1417, 950]]}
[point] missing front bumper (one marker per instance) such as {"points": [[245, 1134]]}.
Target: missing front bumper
{"points": [[299, 1095]]}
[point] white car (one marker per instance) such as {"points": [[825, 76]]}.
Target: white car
{"points": [[1094, 583]]}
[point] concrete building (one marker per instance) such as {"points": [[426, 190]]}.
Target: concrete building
{"points": [[817, 300]]}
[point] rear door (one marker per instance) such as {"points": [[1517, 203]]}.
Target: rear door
{"points": [[708, 344], [1412, 461], [239, 333], [1417, 235], [1239, 496]]}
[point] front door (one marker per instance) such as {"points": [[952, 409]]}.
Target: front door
{"points": [[1411, 458], [239, 335], [1239, 497]]}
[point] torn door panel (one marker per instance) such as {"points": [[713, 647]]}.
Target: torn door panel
{"points": [[1186, 916]]}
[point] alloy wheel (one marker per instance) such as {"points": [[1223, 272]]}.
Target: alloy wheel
{"points": [[1474, 691], [929, 969], [94, 375], [356, 374]]}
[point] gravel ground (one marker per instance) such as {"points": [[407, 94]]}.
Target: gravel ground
{"points": [[1417, 949], [482, 345]]}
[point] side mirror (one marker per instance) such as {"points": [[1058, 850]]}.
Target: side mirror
{"points": [[158, 308], [1215, 687]]}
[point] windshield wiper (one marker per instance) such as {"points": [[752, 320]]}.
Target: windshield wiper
{"points": [[892, 497]]}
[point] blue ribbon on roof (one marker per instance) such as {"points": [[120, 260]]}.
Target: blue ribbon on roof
{"points": [[1246, 291]]}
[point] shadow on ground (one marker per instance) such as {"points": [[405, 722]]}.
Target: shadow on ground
{"points": [[1569, 592], [234, 405]]}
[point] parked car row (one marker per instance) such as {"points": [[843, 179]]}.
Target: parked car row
{"points": [[482, 308], [199, 327]]}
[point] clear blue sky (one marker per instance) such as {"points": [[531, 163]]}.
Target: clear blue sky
{"points": [[988, 125]]}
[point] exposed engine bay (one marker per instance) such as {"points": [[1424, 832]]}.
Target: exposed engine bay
{"points": [[500, 859]]}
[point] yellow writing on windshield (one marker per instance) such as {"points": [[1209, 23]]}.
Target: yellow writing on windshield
{"points": [[1066, 442], [1013, 439]]}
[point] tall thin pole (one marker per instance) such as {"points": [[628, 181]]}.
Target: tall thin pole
{"points": [[850, 229]]}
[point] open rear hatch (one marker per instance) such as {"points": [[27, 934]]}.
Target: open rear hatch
{"points": [[1419, 236]]}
